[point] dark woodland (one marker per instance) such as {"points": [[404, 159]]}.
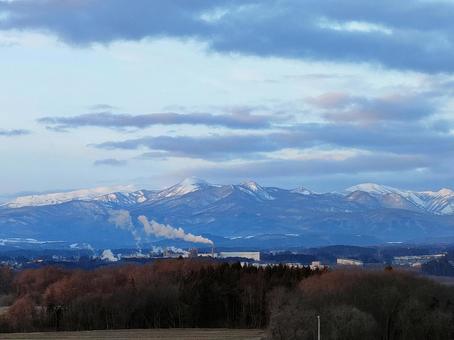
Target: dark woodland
{"points": [[353, 304]]}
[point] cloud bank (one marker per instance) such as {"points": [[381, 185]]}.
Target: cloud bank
{"points": [[397, 138], [113, 120], [408, 35]]}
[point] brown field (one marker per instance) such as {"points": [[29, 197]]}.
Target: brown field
{"points": [[183, 334]]}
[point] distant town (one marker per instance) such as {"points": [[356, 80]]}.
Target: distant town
{"points": [[435, 260]]}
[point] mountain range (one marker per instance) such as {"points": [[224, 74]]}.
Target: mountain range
{"points": [[240, 215]]}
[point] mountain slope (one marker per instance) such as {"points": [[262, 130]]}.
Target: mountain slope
{"points": [[62, 197], [238, 214], [439, 202]]}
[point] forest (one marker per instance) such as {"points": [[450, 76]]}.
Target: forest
{"points": [[177, 293]]}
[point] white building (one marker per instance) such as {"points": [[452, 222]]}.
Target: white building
{"points": [[349, 262], [416, 260], [317, 265]]}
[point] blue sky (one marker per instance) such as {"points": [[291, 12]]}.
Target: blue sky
{"points": [[288, 93]]}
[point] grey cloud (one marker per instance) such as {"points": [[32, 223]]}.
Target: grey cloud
{"points": [[13, 133], [210, 147], [360, 164], [398, 137], [110, 162], [442, 125], [342, 107], [415, 35], [240, 120], [102, 107], [154, 155], [411, 173]]}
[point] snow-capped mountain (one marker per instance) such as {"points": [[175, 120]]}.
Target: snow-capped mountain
{"points": [[363, 214], [255, 190], [62, 197], [126, 198], [186, 186], [435, 202], [439, 202]]}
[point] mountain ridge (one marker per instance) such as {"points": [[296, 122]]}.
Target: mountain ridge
{"points": [[238, 214], [437, 202]]}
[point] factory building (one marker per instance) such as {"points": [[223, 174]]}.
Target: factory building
{"points": [[349, 262], [416, 260], [252, 255]]}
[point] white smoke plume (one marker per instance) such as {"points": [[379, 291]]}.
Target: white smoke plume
{"points": [[107, 255], [122, 219], [167, 231]]}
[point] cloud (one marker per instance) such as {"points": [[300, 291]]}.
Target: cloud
{"points": [[209, 147], [110, 162], [408, 35], [396, 137], [342, 107], [240, 120], [102, 107], [330, 100], [357, 164], [163, 155], [13, 133]]}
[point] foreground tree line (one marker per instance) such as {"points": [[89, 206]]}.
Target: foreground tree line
{"points": [[352, 304], [364, 305], [167, 293]]}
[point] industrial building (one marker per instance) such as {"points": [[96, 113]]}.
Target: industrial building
{"points": [[416, 260], [251, 255], [349, 262]]}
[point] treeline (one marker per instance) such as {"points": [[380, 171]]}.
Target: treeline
{"points": [[167, 293], [352, 304], [364, 305], [439, 267]]}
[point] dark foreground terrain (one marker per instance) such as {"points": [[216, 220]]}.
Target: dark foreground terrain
{"points": [[181, 334], [219, 300]]}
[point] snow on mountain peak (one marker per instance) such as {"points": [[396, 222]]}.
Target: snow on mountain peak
{"points": [[186, 186], [373, 188], [256, 189], [436, 202], [62, 197], [446, 192], [251, 185]]}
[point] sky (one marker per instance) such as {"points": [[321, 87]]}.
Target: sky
{"points": [[288, 93]]}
